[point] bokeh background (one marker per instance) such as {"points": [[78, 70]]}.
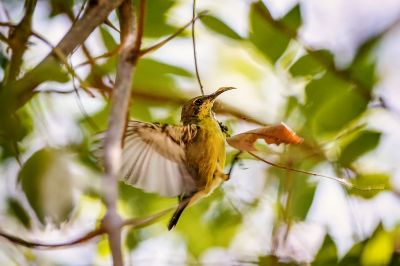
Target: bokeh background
{"points": [[328, 69]]}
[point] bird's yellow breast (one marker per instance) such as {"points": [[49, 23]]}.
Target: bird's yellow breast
{"points": [[206, 153]]}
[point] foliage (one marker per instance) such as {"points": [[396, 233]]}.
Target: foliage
{"points": [[47, 192]]}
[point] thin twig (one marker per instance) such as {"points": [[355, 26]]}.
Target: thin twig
{"points": [[136, 223], [194, 47], [234, 161], [340, 180], [156, 46], [79, 12], [140, 27], [23, 89], [42, 245]]}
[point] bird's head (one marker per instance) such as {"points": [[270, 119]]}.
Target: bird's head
{"points": [[200, 107]]}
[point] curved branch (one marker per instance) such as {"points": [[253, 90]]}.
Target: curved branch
{"points": [[135, 223], [23, 89]]}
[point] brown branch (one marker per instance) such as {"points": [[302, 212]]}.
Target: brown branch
{"points": [[119, 113], [133, 223], [22, 89], [18, 42], [147, 50]]}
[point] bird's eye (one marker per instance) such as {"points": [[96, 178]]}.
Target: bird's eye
{"points": [[198, 102]]}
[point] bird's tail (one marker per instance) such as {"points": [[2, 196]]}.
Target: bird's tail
{"points": [[175, 217]]}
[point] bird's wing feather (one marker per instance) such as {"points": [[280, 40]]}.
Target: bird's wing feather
{"points": [[153, 158]]}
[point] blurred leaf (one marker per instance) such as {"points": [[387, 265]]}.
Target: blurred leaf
{"points": [[338, 112], [46, 180], [141, 110], [100, 118], [155, 77], [103, 248], [17, 210], [132, 239], [395, 259], [268, 39], [322, 90], [370, 180], [58, 7], [140, 203], [299, 190], [156, 18], [363, 66], [361, 144], [99, 72], [108, 39], [273, 260], [277, 134], [352, 257], [291, 104], [13, 129], [213, 220], [302, 197], [378, 249], [309, 65], [3, 60], [327, 254], [292, 20], [220, 27], [50, 71]]}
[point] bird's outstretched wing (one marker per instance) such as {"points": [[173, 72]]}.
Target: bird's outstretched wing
{"points": [[153, 158]]}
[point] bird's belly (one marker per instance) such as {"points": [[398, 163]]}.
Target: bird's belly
{"points": [[206, 155]]}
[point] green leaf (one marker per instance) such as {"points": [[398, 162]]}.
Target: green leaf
{"points": [[363, 66], [352, 257], [3, 60], [108, 39], [301, 192], [274, 260], [156, 77], [46, 180], [291, 104], [338, 112], [13, 129], [17, 210], [156, 18], [379, 249], [370, 180], [132, 239], [311, 64], [327, 254], [220, 27], [292, 20], [268, 39], [302, 198], [322, 90], [58, 7], [51, 70], [361, 144], [213, 220]]}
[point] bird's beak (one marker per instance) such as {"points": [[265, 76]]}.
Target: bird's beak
{"points": [[220, 91]]}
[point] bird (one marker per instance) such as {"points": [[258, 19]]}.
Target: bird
{"points": [[185, 161]]}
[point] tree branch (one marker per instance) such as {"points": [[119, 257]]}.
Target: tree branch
{"points": [[129, 54], [135, 223], [22, 90], [18, 42]]}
